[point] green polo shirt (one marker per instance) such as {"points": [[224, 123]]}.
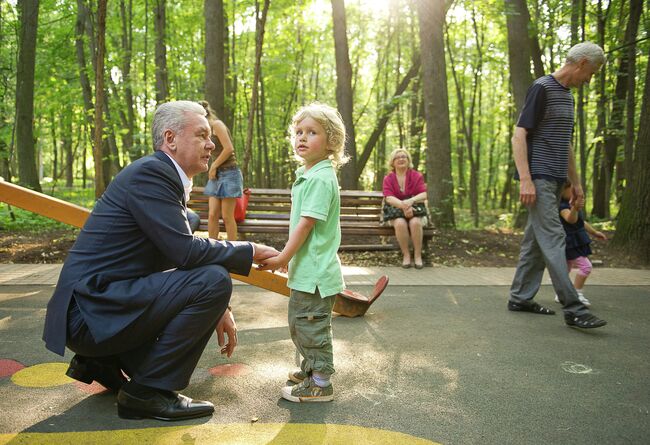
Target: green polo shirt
{"points": [[316, 264]]}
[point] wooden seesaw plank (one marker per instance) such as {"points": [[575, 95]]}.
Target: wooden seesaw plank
{"points": [[76, 216]]}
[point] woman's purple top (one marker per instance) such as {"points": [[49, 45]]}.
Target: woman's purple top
{"points": [[413, 185]]}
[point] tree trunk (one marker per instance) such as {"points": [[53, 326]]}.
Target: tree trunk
{"points": [[25, 143], [631, 108], [162, 79], [520, 76], [100, 184], [128, 118], [416, 126], [431, 17], [260, 23], [215, 56], [5, 153], [615, 127], [344, 94], [66, 142], [86, 89], [518, 53], [265, 143], [600, 202], [633, 229]]}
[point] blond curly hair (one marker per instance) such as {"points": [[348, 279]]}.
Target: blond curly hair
{"points": [[331, 121]]}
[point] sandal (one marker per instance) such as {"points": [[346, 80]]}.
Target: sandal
{"points": [[533, 307], [585, 321]]}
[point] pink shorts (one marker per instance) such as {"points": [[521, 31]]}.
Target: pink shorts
{"points": [[582, 263]]}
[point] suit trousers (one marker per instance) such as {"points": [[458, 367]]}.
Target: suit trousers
{"points": [[543, 246], [162, 347]]}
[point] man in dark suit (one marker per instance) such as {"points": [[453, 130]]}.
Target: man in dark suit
{"points": [[138, 293]]}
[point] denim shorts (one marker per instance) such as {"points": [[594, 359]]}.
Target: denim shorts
{"points": [[229, 184]]}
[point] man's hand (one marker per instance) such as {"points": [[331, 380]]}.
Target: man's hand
{"points": [[228, 326], [263, 253], [527, 193], [577, 195]]}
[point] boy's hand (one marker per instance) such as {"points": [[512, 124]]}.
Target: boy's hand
{"points": [[262, 253], [600, 235], [274, 263]]}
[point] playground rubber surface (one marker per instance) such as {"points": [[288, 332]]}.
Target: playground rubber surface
{"points": [[428, 363]]}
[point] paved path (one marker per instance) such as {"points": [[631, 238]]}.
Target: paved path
{"points": [[437, 359], [46, 274]]}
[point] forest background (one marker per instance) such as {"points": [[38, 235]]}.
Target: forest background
{"points": [[79, 82]]}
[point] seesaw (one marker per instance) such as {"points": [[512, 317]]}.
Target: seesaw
{"points": [[347, 303]]}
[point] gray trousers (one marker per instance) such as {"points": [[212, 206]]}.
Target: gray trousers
{"points": [[310, 325], [544, 246]]}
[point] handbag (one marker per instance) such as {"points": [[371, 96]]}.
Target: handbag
{"points": [[390, 212], [419, 209], [241, 204]]}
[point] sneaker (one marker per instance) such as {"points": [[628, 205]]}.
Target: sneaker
{"points": [[297, 376], [308, 391], [583, 299], [585, 321]]}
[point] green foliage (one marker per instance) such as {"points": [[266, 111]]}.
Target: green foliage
{"points": [[298, 67], [14, 219]]}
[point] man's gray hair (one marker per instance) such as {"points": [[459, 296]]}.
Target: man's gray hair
{"points": [[586, 50], [172, 116]]}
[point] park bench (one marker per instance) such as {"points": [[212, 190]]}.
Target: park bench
{"points": [[268, 213]]}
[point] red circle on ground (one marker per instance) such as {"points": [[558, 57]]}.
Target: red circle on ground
{"points": [[9, 367], [230, 369], [93, 388]]}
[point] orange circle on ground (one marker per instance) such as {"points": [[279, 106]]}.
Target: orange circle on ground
{"points": [[9, 367], [93, 388], [230, 370]]}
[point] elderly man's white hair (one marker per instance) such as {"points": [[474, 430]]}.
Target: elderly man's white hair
{"points": [[172, 115], [586, 50]]}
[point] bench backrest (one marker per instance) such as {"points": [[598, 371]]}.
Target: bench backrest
{"points": [[273, 204]]}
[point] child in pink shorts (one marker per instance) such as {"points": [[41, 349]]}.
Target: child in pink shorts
{"points": [[577, 241]]}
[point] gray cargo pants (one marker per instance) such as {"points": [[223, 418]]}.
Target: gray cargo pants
{"points": [[310, 325]]}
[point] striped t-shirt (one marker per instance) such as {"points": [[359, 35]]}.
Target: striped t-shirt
{"points": [[548, 116]]}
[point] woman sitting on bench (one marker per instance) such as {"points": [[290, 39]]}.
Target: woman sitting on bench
{"points": [[405, 194]]}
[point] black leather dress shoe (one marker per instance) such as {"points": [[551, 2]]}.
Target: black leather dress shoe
{"points": [[161, 405], [105, 370]]}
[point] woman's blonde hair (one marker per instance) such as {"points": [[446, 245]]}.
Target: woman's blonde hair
{"points": [[331, 121], [393, 155]]}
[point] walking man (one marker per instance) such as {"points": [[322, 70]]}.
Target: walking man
{"points": [[544, 158]]}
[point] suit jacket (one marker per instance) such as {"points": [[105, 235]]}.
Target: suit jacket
{"points": [[138, 227]]}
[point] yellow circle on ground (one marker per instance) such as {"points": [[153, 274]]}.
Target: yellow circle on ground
{"points": [[43, 375], [237, 433]]}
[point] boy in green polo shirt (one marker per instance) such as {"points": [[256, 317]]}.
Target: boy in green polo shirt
{"points": [[318, 136]]}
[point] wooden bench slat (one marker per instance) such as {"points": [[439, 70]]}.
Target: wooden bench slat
{"points": [[269, 210]]}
